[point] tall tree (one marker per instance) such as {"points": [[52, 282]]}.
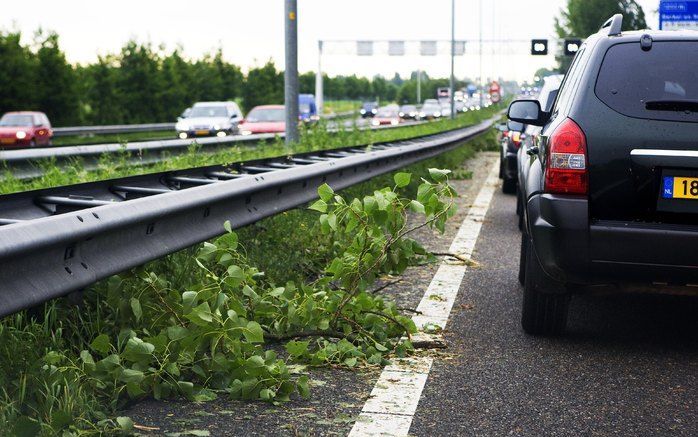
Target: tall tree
{"points": [[264, 85], [56, 85], [582, 18], [17, 74]]}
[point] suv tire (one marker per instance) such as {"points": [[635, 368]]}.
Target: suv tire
{"points": [[509, 186], [543, 312]]}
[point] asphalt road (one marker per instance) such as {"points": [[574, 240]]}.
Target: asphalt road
{"points": [[628, 366]]}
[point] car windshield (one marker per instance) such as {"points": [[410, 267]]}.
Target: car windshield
{"points": [[431, 107], [408, 108], [386, 112], [208, 111], [368, 106], [304, 108], [16, 120], [656, 84], [266, 114]]}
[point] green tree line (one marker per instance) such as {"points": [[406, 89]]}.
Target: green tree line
{"points": [[145, 84]]}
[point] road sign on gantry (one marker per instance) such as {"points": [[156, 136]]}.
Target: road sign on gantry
{"points": [[396, 48], [572, 46], [676, 15], [364, 48], [427, 48], [539, 47]]}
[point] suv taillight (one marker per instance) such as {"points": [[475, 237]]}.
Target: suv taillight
{"points": [[566, 166]]}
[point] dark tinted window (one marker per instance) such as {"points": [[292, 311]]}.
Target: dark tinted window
{"points": [[570, 81], [660, 84]]}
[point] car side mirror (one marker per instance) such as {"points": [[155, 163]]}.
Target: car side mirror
{"points": [[527, 112]]}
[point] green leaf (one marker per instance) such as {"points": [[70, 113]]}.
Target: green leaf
{"points": [[297, 348], [380, 347], [253, 332], [325, 192], [136, 308], [137, 350], [227, 226], [303, 387], [402, 179], [131, 375], [351, 362], [101, 344], [201, 315], [320, 206], [324, 324], [439, 175], [417, 207], [176, 333], [266, 395], [125, 423]]}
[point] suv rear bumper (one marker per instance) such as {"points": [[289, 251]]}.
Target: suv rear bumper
{"points": [[574, 251]]}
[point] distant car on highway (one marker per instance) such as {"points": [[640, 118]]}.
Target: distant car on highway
{"points": [[25, 129], [387, 115], [307, 108], [265, 119], [431, 109], [368, 109], [209, 119], [409, 112], [611, 191]]}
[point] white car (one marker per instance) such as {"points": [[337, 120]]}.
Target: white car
{"points": [[209, 119]]}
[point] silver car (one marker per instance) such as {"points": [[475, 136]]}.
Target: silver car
{"points": [[209, 119]]}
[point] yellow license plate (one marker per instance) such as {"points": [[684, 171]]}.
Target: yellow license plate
{"points": [[202, 132], [7, 140], [676, 187]]}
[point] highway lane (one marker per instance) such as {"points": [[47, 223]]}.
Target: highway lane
{"points": [[628, 366]]}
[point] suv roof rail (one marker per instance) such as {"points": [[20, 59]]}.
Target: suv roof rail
{"points": [[614, 24]]}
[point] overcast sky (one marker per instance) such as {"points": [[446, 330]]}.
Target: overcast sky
{"points": [[251, 31]]}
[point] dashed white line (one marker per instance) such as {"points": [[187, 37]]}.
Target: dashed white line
{"points": [[394, 399]]}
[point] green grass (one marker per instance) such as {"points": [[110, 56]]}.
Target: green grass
{"points": [[32, 346], [116, 165], [336, 106], [71, 140]]}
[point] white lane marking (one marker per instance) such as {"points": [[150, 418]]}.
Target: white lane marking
{"points": [[394, 399]]}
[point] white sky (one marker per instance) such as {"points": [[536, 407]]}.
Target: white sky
{"points": [[252, 31]]}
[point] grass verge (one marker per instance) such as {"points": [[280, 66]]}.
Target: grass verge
{"points": [[117, 165]]}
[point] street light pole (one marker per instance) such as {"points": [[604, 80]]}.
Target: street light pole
{"points": [[319, 91], [291, 71], [481, 81], [453, 52], [419, 86]]}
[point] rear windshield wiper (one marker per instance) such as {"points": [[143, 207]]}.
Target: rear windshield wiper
{"points": [[672, 105]]}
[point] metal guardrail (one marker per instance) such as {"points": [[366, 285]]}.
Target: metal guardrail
{"points": [[59, 240], [24, 163], [111, 129], [135, 128]]}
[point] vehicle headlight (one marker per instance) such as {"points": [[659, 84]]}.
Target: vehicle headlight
{"points": [[221, 134], [422, 114], [394, 122], [21, 135], [437, 114], [245, 132], [183, 135], [181, 127], [375, 122], [362, 111], [374, 111], [402, 114]]}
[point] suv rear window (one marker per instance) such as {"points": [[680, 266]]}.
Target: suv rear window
{"points": [[659, 84]]}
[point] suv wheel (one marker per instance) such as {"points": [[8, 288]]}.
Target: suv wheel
{"points": [[509, 186], [544, 312]]}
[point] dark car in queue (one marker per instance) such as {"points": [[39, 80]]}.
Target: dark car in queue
{"points": [[611, 190], [409, 112], [25, 129], [517, 134], [368, 109]]}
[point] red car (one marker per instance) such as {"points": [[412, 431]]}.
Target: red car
{"points": [[26, 128], [266, 119], [387, 115]]}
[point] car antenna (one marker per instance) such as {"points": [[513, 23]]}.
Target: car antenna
{"points": [[614, 24]]}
